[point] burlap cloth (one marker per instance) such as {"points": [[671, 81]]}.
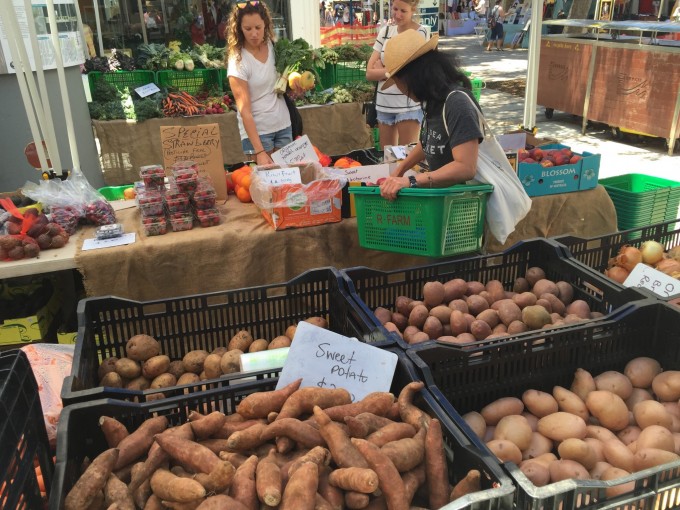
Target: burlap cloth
{"points": [[126, 146], [244, 251]]}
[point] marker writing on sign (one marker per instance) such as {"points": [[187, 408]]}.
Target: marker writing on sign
{"points": [[343, 368]]}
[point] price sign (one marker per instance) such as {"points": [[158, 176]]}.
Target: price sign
{"points": [[652, 279], [279, 176], [147, 90], [329, 360], [298, 151]]}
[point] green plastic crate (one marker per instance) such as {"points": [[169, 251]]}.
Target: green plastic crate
{"points": [[346, 72], [121, 79], [327, 77], [191, 82], [111, 193], [642, 200], [428, 222], [477, 86]]}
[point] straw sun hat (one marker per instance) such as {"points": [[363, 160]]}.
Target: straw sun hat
{"points": [[404, 48]]}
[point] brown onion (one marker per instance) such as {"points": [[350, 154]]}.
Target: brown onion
{"points": [[628, 257], [652, 252], [617, 273], [668, 266], [674, 253]]}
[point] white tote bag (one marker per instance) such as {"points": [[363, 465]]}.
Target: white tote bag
{"points": [[509, 202]]}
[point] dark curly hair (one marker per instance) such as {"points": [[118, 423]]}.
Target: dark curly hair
{"points": [[234, 34]]}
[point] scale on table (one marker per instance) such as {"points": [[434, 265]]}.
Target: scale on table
{"points": [[31, 153]]}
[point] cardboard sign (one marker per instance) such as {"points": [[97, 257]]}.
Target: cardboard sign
{"points": [[652, 279], [278, 176], [298, 151], [201, 144], [329, 360], [147, 90]]}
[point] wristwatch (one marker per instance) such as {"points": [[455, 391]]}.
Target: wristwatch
{"points": [[412, 183]]}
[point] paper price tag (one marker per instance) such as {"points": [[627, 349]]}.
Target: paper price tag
{"points": [[147, 90], [328, 360], [652, 279], [278, 176]]}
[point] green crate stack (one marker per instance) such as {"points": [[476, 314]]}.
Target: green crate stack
{"points": [[122, 79], [642, 200], [191, 82], [477, 86], [346, 72], [327, 77]]}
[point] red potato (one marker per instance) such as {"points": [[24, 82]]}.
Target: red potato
{"points": [[92, 482]]}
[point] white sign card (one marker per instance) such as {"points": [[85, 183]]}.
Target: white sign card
{"points": [[329, 360], [264, 360], [95, 244], [512, 141], [298, 151], [368, 174], [279, 176], [652, 279], [147, 90]]}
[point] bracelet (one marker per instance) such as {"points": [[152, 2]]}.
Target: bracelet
{"points": [[260, 152]]}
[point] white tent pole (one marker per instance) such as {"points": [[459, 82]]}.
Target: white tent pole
{"points": [[531, 94], [22, 68], [141, 17], [662, 7], [61, 74], [41, 100], [98, 23]]}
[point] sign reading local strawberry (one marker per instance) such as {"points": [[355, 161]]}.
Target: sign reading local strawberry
{"points": [[202, 144]]}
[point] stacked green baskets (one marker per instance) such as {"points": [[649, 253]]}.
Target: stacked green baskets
{"points": [[477, 85], [642, 200]]}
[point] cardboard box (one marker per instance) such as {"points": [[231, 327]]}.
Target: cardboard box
{"points": [[66, 338], [314, 201], [531, 140], [367, 175], [590, 170], [32, 328]]}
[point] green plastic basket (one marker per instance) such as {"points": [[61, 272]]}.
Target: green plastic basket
{"points": [[191, 82], [121, 79], [111, 193], [642, 200], [346, 72], [427, 222], [477, 86], [327, 77]]}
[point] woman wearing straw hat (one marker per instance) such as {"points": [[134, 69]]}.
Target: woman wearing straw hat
{"points": [[451, 134]]}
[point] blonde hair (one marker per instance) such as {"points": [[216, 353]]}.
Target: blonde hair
{"points": [[233, 32]]}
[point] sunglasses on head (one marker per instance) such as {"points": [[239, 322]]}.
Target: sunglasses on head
{"points": [[253, 3]]}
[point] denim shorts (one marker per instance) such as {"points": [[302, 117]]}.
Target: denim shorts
{"points": [[270, 141], [390, 119]]}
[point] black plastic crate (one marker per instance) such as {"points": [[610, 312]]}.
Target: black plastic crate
{"points": [[207, 321], [467, 380], [372, 288], [79, 435], [595, 252], [23, 438]]}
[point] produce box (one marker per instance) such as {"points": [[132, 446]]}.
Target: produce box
{"points": [[432, 222], [122, 79], [24, 447], [464, 381], [191, 82], [540, 180], [315, 199], [206, 321], [372, 288], [642, 200], [596, 252], [79, 435]]}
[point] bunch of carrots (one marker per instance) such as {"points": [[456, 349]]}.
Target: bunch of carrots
{"points": [[292, 448], [181, 104]]}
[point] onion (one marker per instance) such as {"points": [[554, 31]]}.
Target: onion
{"points": [[628, 257], [674, 253], [668, 266], [617, 273], [652, 252]]}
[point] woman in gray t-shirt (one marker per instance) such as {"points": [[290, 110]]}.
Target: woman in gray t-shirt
{"points": [[451, 134]]}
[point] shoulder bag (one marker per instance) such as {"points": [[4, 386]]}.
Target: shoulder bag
{"points": [[509, 202], [295, 117]]}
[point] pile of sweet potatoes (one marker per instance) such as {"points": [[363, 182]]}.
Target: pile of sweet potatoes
{"points": [[292, 448]]}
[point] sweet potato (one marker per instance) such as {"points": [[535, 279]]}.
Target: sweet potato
{"points": [[378, 402], [259, 405], [208, 425], [344, 453], [436, 468], [392, 432], [243, 487], [116, 493], [406, 453], [113, 430], [321, 503], [230, 427], [304, 400], [300, 432], [141, 494], [219, 479], [220, 502], [364, 424], [354, 479], [300, 491], [412, 481], [215, 445], [317, 455], [284, 444], [268, 482], [190, 454], [247, 439], [185, 505], [356, 500], [92, 481], [236, 459], [410, 413], [471, 483], [167, 486], [390, 482], [138, 442], [153, 503], [329, 492]]}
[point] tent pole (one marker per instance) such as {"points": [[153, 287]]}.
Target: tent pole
{"points": [[531, 93]]}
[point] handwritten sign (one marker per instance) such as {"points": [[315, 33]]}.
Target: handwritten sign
{"points": [[147, 90], [298, 151], [201, 144], [278, 176], [95, 244], [329, 360], [652, 279], [368, 174]]}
